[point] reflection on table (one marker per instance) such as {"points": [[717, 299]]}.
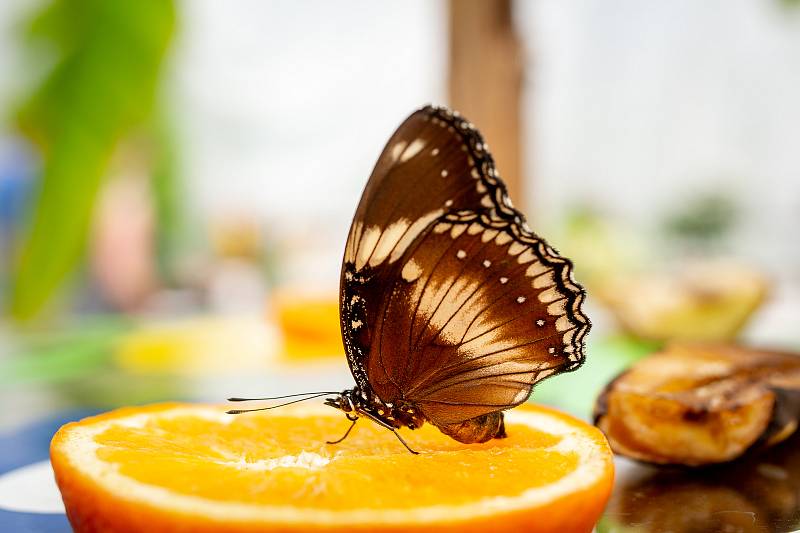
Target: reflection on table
{"points": [[758, 493]]}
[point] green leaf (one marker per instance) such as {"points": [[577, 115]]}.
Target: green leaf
{"points": [[101, 89]]}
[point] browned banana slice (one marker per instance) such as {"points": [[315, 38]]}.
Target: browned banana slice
{"points": [[696, 404]]}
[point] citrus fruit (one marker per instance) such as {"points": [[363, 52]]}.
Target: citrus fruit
{"points": [[180, 467], [309, 323]]}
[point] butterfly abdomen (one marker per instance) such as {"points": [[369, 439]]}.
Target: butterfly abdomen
{"points": [[478, 429]]}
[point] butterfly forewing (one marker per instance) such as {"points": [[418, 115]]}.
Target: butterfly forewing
{"points": [[447, 300], [430, 166]]}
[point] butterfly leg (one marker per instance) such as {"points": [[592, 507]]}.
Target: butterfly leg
{"points": [[390, 428], [396, 434], [352, 419]]}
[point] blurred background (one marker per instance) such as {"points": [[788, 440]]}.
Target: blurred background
{"points": [[177, 178]]}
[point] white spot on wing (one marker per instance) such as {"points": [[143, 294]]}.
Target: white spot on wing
{"points": [[488, 235], [397, 149], [441, 227], [563, 323], [461, 254], [444, 173], [355, 235], [544, 280], [549, 295], [457, 230], [526, 257], [503, 238], [516, 248], [536, 269], [420, 224], [520, 299], [389, 239], [367, 245], [411, 271], [503, 280], [413, 149], [521, 395]]}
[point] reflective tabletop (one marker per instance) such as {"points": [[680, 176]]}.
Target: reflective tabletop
{"points": [[42, 391]]}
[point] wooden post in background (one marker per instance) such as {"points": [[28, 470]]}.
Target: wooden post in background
{"points": [[485, 83]]}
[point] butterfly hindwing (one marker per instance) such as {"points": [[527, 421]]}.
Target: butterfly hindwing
{"points": [[478, 315]]}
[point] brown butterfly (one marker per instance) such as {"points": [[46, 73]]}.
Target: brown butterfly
{"points": [[451, 309]]}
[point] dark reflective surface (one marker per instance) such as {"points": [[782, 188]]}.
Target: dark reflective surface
{"points": [[760, 493]]}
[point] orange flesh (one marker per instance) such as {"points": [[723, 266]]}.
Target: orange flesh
{"points": [[182, 467], [197, 457]]}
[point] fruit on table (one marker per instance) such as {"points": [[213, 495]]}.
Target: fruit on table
{"points": [[698, 302], [755, 494], [696, 404], [181, 467], [309, 324]]}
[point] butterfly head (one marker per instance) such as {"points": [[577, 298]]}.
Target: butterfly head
{"points": [[346, 401]]}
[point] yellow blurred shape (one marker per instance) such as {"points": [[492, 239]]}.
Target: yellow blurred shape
{"points": [[199, 346], [309, 324], [702, 301]]}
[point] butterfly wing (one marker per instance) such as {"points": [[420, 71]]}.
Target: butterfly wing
{"points": [[447, 299], [435, 163], [480, 312]]}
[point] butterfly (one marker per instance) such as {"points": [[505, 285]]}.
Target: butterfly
{"points": [[451, 308]]}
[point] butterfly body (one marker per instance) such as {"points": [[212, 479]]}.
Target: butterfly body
{"points": [[397, 415]]}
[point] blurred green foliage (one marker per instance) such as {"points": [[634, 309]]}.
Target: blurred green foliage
{"points": [[102, 87], [576, 392], [166, 195], [704, 219], [76, 352]]}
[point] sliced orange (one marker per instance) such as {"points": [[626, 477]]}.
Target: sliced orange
{"points": [[309, 323], [175, 467]]}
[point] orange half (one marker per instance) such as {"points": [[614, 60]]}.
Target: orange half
{"points": [[177, 467]]}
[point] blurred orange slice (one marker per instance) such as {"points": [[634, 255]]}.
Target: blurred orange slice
{"points": [[309, 323], [193, 468]]}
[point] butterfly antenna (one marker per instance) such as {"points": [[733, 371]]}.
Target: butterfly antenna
{"points": [[240, 411], [279, 397]]}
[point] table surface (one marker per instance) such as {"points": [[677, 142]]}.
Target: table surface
{"points": [[759, 493]]}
